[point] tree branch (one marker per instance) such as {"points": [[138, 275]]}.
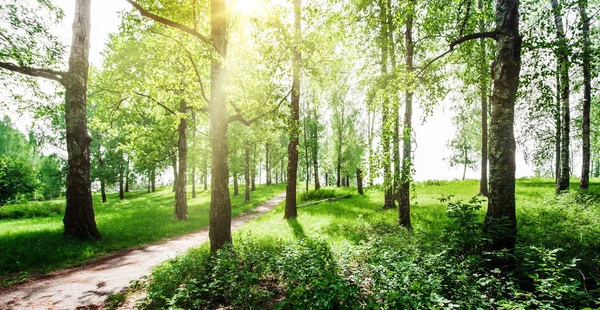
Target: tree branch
{"points": [[170, 23], [57, 76], [191, 58], [238, 117], [491, 35], [157, 102]]}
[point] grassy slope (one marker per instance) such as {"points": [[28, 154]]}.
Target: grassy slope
{"points": [[37, 245]]}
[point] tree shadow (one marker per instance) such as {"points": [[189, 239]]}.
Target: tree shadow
{"points": [[296, 228]]}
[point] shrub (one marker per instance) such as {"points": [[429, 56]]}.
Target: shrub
{"points": [[317, 194], [31, 209], [16, 178]]}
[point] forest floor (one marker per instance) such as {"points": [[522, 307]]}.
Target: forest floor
{"points": [[87, 287]]}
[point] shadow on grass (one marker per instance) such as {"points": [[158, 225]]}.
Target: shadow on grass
{"points": [[296, 228]]}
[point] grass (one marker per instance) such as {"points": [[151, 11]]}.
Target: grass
{"points": [[36, 245], [351, 254]]}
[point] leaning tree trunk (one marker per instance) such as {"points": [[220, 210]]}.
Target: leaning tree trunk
{"points": [[291, 210], [404, 195], [500, 219], [563, 58], [220, 204], [587, 95], [181, 206], [483, 74], [247, 173], [79, 214]]}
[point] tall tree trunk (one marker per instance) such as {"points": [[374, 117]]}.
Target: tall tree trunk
{"points": [[127, 176], [500, 219], [359, 181], [404, 195], [220, 204], [385, 136], [370, 137], [193, 179], [563, 58], [483, 76], [557, 117], [181, 206], [253, 168], [315, 150], [267, 166], [174, 165], [587, 95], [326, 179], [148, 181], [153, 179], [236, 189], [339, 172], [121, 180], [103, 190], [465, 164], [395, 105], [79, 218], [292, 174], [306, 160], [247, 173]]}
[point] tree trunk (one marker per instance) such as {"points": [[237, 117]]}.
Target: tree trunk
{"points": [[121, 180], [557, 142], [339, 173], [181, 206], [500, 220], [306, 152], [267, 166], [205, 182], [483, 75], [347, 180], [103, 190], [127, 176], [359, 181], [404, 195], [254, 168], [587, 95], [153, 179], [193, 179], [326, 179], [315, 150], [563, 58], [236, 190], [174, 165], [220, 204], [247, 173], [79, 218], [291, 210]]}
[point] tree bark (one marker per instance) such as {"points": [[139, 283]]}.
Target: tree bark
{"points": [[79, 218], [404, 195], [103, 190], [483, 73], [359, 181], [181, 206], [587, 95], [174, 165], [557, 117], [267, 166], [247, 173], [253, 188], [153, 179], [121, 180], [127, 176], [306, 151], [236, 189], [291, 210], [193, 180], [500, 220], [563, 58], [220, 204]]}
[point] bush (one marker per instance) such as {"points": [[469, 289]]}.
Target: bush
{"points": [[16, 178], [32, 209], [317, 194]]}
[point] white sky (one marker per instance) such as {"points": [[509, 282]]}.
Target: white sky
{"points": [[431, 136]]}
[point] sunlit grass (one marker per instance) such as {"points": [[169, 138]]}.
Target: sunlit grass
{"points": [[37, 245]]}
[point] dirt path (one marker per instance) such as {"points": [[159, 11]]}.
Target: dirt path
{"points": [[90, 285]]}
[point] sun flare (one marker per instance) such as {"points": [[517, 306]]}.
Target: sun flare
{"points": [[248, 7]]}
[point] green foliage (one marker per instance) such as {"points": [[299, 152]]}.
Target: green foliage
{"points": [[17, 179], [31, 209], [51, 175], [317, 194], [351, 254]]}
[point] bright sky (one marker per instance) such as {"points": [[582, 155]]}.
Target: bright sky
{"points": [[431, 136]]}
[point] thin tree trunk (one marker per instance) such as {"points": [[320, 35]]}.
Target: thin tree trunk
{"points": [[500, 220], [291, 210], [79, 218], [359, 181], [483, 75], [236, 190], [254, 168], [565, 173], [306, 151], [153, 179], [220, 204], [103, 190], [174, 165], [315, 150], [587, 95], [127, 176], [193, 179], [247, 172], [121, 181], [557, 142], [404, 195], [267, 166], [465, 164], [181, 206]]}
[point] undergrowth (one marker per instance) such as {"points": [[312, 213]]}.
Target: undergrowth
{"points": [[352, 255]]}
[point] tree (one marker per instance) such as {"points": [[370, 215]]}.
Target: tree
{"points": [[79, 218], [466, 144], [16, 178], [587, 93]]}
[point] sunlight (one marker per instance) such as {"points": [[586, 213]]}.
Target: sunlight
{"points": [[247, 7]]}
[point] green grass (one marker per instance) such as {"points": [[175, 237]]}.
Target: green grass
{"points": [[351, 254], [36, 245]]}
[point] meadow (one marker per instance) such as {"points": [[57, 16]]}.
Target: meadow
{"points": [[34, 244]]}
